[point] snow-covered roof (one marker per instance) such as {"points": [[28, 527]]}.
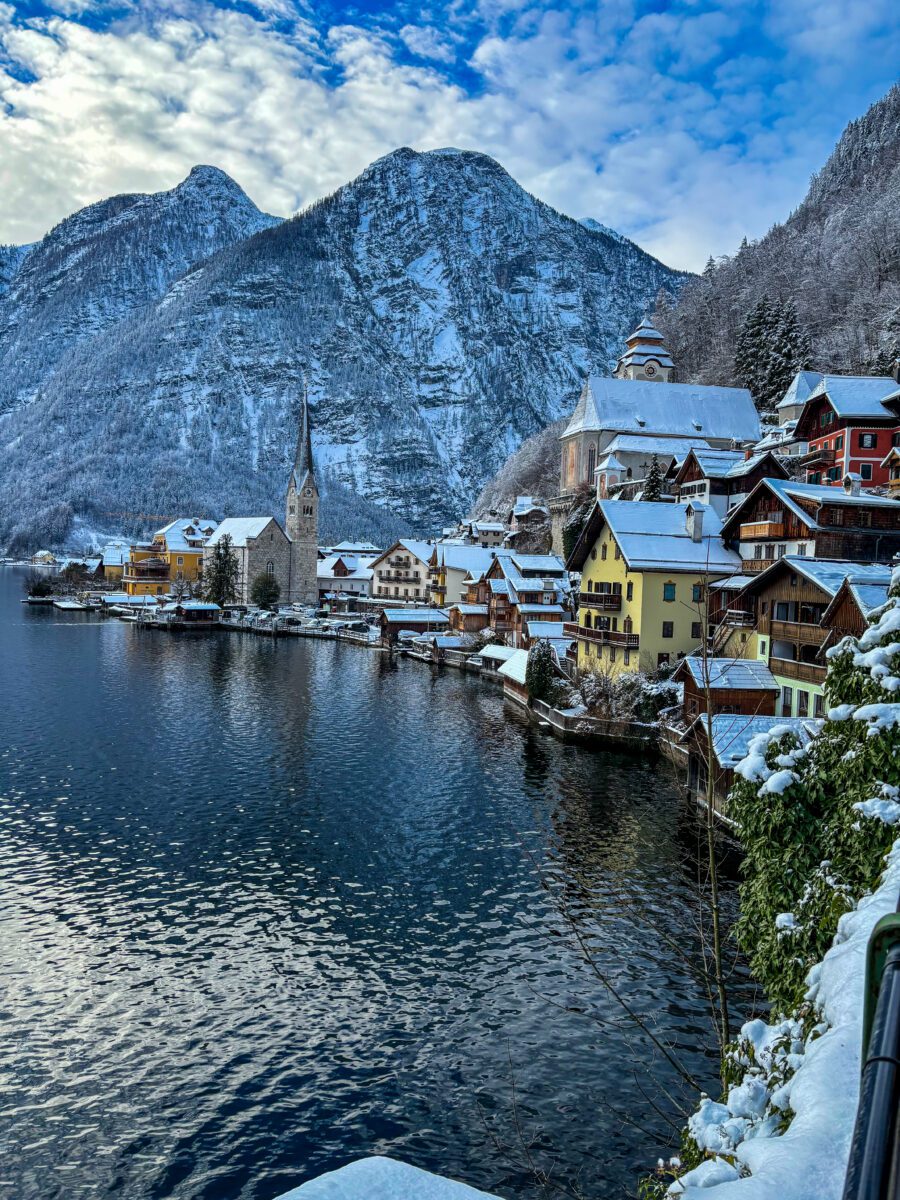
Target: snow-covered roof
{"points": [[680, 409], [857, 395], [646, 443], [355, 548], [471, 610], [191, 606], [645, 352], [489, 526], [515, 666], [715, 464], [537, 609], [868, 596], [733, 732], [644, 331], [415, 616], [799, 388], [826, 573], [790, 493], [653, 536], [610, 463], [500, 587], [239, 529], [738, 674], [185, 533], [546, 629], [548, 564], [418, 549], [527, 504], [733, 583], [498, 653], [746, 465], [116, 554], [474, 559]]}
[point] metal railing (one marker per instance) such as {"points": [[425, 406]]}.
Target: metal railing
{"points": [[873, 1170]]}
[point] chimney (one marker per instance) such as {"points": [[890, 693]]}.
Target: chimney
{"points": [[748, 454], [851, 483], [694, 522]]}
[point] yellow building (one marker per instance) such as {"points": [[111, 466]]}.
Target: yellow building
{"points": [[174, 554], [644, 570]]}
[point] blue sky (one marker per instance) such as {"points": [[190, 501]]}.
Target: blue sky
{"points": [[684, 125]]}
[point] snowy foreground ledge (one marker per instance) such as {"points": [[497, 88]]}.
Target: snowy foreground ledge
{"points": [[808, 1161], [383, 1179]]}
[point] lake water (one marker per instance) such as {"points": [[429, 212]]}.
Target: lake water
{"points": [[267, 906]]}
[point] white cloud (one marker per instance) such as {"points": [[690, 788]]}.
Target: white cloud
{"points": [[667, 126]]}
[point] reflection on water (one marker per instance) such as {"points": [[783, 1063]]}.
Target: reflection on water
{"points": [[268, 906]]}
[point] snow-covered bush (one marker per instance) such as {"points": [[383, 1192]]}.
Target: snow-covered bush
{"points": [[629, 696], [818, 824]]}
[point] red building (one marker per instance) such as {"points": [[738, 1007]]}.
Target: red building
{"points": [[850, 422]]}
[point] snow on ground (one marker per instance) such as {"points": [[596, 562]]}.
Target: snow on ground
{"points": [[383, 1179], [808, 1160]]}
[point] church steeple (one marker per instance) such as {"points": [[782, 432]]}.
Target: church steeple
{"points": [[645, 356], [302, 514]]}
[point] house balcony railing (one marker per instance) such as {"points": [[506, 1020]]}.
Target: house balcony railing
{"points": [[817, 458], [795, 631], [791, 668], [138, 573], [607, 601], [737, 618], [752, 566], [603, 637], [773, 528]]}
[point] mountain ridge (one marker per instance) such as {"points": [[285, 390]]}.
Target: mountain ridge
{"points": [[437, 312]]}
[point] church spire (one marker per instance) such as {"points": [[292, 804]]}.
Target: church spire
{"points": [[303, 457]]}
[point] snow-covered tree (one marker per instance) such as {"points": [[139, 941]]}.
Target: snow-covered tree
{"points": [[653, 484], [539, 674]]}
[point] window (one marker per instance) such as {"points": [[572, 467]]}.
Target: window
{"points": [[590, 586], [668, 629], [626, 658], [629, 591], [865, 471], [696, 630], [618, 552], [592, 457], [868, 441], [612, 654], [814, 477], [827, 418], [757, 551], [793, 580], [662, 660], [594, 554], [180, 560], [802, 704], [787, 701], [603, 552], [819, 705], [865, 518], [801, 550], [770, 549], [762, 648], [270, 568], [839, 442], [697, 593], [587, 620], [668, 592]]}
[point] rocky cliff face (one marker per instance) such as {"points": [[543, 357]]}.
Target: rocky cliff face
{"points": [[155, 347]]}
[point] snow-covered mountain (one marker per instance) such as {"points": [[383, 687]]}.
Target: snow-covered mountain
{"points": [[153, 348]]}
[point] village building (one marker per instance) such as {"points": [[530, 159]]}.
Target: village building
{"points": [[512, 673], [852, 608], [645, 356], [357, 549], [726, 685], [402, 572], [345, 576], [850, 422], [786, 607], [261, 547], [731, 735], [722, 478], [471, 532], [781, 517], [891, 465], [468, 618], [450, 568], [113, 559], [173, 555], [645, 568], [518, 588], [302, 519], [397, 621]]}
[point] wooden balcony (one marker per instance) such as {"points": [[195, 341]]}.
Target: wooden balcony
{"points": [[752, 566], [607, 601], [795, 631], [817, 458], [763, 530], [801, 671], [603, 637]]}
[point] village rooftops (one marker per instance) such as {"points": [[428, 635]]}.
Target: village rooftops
{"points": [[826, 573], [726, 674], [471, 610], [857, 396], [366, 548], [497, 653], [461, 557], [186, 533], [868, 597], [239, 529], [527, 504], [732, 733], [645, 443], [789, 493], [654, 536], [515, 667], [676, 410], [416, 616]]}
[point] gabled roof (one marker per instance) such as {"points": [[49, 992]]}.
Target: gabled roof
{"points": [[416, 616], [355, 548], [713, 464], [515, 666], [498, 653], [527, 504], [789, 493], [418, 549], [738, 674], [647, 443], [674, 409], [654, 537], [474, 559], [827, 574], [866, 596], [799, 388], [853, 397], [746, 465], [553, 630], [733, 732], [240, 529]]}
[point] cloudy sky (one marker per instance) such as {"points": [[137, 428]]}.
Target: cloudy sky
{"points": [[684, 124]]}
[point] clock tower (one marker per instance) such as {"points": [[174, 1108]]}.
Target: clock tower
{"points": [[302, 517]]}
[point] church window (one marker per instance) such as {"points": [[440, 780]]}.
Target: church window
{"points": [[270, 568], [592, 462], [292, 509]]}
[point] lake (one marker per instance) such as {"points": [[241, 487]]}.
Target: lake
{"points": [[267, 906]]}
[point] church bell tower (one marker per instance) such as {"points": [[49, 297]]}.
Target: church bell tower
{"points": [[302, 516]]}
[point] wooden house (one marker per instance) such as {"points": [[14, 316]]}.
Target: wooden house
{"points": [[726, 685], [849, 422]]}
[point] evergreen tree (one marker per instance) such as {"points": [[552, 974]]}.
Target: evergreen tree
{"points": [[751, 352], [789, 351], [539, 672], [265, 591], [653, 484], [221, 578]]}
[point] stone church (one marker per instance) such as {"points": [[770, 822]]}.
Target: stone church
{"points": [[302, 518]]}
